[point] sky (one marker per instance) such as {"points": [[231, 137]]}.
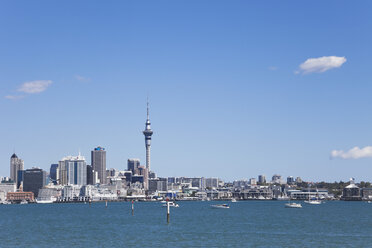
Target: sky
{"points": [[236, 88]]}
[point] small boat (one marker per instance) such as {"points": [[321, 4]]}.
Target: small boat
{"points": [[233, 200], [23, 202], [369, 201], [293, 205], [220, 206], [171, 204], [163, 202], [314, 202]]}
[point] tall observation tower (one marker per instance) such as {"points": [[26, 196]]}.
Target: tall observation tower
{"points": [[148, 132]]}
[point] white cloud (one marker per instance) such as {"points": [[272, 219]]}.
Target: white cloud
{"points": [[82, 79], [273, 68], [34, 87], [13, 97], [321, 64], [353, 153]]}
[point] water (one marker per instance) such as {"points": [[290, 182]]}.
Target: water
{"points": [[193, 224]]}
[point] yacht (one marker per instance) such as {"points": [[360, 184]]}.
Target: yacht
{"points": [[293, 205], [233, 200], [23, 202], [312, 201], [220, 206]]}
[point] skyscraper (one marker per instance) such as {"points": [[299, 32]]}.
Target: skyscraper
{"points": [[34, 179], [73, 170], [133, 164], [99, 163], [53, 172], [16, 164], [148, 132]]}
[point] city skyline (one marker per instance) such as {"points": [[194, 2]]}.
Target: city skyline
{"points": [[236, 90]]}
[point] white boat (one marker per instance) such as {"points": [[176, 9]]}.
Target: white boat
{"points": [[220, 206], [171, 204], [23, 202], [163, 202], [293, 205], [314, 202], [369, 201], [233, 200]]}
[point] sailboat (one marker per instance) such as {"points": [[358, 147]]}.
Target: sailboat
{"points": [[313, 202], [292, 204]]}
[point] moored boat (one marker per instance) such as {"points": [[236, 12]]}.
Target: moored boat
{"points": [[293, 205], [220, 206]]}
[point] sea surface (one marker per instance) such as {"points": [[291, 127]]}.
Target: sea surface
{"points": [[193, 224]]}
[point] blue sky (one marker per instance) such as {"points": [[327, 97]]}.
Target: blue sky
{"points": [[232, 91]]}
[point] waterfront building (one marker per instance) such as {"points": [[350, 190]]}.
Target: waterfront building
{"points": [[6, 187], [21, 196], [261, 179], [53, 172], [98, 159], [73, 170], [33, 180], [133, 164], [16, 164], [148, 133], [351, 192]]}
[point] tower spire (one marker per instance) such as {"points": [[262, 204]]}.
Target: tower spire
{"points": [[148, 114]]}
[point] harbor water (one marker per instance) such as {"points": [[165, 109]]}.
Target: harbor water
{"points": [[192, 224]]}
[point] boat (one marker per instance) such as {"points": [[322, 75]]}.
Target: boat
{"points": [[220, 206], [163, 202], [171, 204], [23, 202], [312, 201], [233, 200], [293, 205]]}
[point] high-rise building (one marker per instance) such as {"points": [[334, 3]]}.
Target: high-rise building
{"points": [[290, 180], [53, 172], [148, 133], [73, 170], [16, 164], [261, 179], [276, 178], [133, 164], [89, 175], [33, 180], [98, 160]]}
